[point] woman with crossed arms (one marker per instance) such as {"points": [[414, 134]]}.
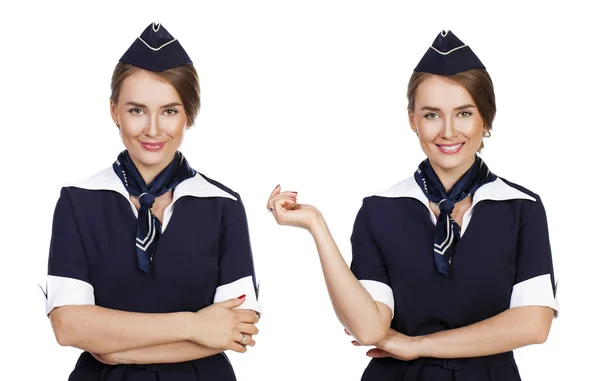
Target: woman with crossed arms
{"points": [[150, 270]]}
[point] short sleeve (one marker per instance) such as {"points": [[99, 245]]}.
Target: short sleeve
{"points": [[534, 282], [368, 263], [236, 263], [68, 281]]}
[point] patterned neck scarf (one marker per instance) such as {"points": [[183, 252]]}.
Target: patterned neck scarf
{"points": [[148, 225], [447, 231]]}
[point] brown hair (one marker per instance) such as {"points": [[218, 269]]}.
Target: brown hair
{"points": [[478, 84], [183, 78]]}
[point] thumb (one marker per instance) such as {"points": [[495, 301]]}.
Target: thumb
{"points": [[233, 302]]}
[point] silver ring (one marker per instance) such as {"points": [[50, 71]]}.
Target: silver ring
{"points": [[243, 338]]}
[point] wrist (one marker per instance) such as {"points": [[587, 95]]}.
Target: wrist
{"points": [[317, 224], [389, 342], [419, 344], [185, 323]]}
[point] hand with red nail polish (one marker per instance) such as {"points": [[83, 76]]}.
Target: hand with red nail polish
{"points": [[287, 211], [223, 326]]}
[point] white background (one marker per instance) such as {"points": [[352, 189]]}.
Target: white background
{"points": [[311, 95]]}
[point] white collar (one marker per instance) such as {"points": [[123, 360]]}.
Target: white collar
{"points": [[196, 186], [497, 190]]}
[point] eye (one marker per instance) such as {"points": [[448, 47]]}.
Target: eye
{"points": [[171, 111], [465, 114], [136, 111], [431, 115]]}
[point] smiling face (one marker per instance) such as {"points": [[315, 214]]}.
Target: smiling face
{"points": [[151, 118], [448, 123]]}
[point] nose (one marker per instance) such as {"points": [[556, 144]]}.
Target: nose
{"points": [[448, 130], [152, 127]]}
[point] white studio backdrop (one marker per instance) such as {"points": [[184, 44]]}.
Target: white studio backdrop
{"points": [[310, 95]]}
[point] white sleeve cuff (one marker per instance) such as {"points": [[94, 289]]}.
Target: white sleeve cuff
{"points": [[235, 289], [380, 292], [536, 291], [62, 291]]}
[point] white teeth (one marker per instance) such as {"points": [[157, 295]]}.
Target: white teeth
{"points": [[451, 148]]}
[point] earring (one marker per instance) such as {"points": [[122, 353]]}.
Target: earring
{"points": [[416, 132], [486, 133]]}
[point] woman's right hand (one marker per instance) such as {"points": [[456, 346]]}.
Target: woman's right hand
{"points": [[220, 326], [288, 212]]}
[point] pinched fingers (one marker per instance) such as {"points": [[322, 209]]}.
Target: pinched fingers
{"points": [[278, 201]]}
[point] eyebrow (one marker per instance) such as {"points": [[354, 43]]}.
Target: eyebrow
{"points": [[463, 107], [172, 104], [140, 105]]}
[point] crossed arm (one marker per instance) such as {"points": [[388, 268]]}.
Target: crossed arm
{"points": [[118, 337], [507, 331], [163, 353]]}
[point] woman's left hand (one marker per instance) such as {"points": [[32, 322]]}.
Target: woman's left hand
{"points": [[396, 345]]}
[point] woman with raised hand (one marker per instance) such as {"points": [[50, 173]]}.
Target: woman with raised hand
{"points": [[451, 268], [150, 270]]}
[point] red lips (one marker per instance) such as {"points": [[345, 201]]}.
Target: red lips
{"points": [[153, 146]]}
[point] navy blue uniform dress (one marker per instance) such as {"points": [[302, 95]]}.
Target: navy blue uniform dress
{"points": [[503, 260], [203, 257]]}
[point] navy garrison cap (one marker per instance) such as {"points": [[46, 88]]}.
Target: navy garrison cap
{"points": [[447, 56], [156, 50]]}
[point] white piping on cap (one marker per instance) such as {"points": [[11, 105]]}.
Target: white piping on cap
{"points": [[450, 51], [160, 47]]}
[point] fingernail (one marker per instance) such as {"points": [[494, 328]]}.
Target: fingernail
{"points": [[242, 296]]}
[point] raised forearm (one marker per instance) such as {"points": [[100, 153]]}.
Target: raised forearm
{"points": [[100, 330], [164, 353], [509, 330], [366, 319]]}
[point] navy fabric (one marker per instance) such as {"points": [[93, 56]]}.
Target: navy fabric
{"points": [[156, 50], [448, 56], [447, 231], [494, 368], [205, 245], [505, 243], [149, 226], [210, 368]]}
